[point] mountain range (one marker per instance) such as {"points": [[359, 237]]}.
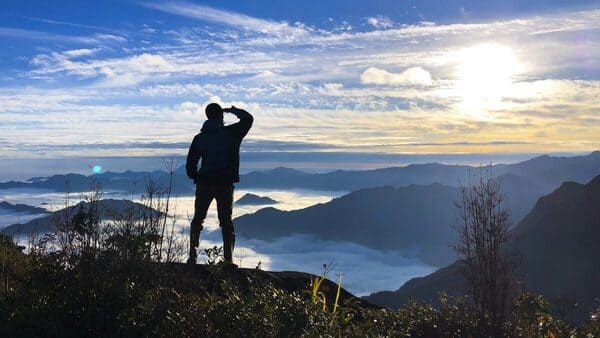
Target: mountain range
{"points": [[417, 218], [559, 243], [21, 208], [546, 172], [107, 209]]}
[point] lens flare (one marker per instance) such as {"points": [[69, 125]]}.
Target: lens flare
{"points": [[96, 169]]}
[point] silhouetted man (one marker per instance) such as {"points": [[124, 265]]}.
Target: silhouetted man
{"points": [[218, 148]]}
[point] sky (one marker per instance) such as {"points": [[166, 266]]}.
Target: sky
{"points": [[132, 78]]}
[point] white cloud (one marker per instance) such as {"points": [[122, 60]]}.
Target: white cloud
{"points": [[380, 22], [331, 88], [134, 70], [555, 106], [62, 62], [63, 23], [112, 72], [306, 253], [189, 111], [233, 19], [148, 63], [265, 74], [18, 33], [109, 37], [411, 76], [75, 53]]}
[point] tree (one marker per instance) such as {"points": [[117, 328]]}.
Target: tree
{"points": [[489, 265]]}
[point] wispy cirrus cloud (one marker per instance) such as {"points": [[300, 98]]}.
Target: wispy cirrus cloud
{"points": [[64, 23], [232, 19], [94, 39]]}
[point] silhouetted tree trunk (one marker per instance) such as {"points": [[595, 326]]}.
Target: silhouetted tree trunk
{"points": [[483, 230]]}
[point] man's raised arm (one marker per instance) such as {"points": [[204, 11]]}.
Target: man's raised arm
{"points": [[245, 123]]}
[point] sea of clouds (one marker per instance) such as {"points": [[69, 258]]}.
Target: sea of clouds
{"points": [[364, 270]]}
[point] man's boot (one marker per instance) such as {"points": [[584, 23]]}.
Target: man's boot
{"points": [[194, 243], [228, 245], [192, 256]]}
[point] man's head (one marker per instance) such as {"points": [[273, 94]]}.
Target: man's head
{"points": [[214, 111]]}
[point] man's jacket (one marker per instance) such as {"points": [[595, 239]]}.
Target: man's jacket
{"points": [[218, 148]]}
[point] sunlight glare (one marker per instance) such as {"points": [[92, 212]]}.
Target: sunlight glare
{"points": [[485, 74]]}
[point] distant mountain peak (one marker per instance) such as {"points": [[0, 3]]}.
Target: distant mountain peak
{"points": [[286, 170], [567, 189], [594, 183], [540, 158], [22, 208], [252, 199]]}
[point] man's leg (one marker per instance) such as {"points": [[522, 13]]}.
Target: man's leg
{"points": [[224, 197], [204, 196]]}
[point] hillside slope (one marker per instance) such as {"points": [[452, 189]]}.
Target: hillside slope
{"points": [[291, 281], [558, 240]]}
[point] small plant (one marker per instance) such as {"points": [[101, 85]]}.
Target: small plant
{"points": [[318, 297], [214, 255], [337, 294], [533, 318], [592, 328]]}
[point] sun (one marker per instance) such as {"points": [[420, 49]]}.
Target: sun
{"points": [[484, 74]]}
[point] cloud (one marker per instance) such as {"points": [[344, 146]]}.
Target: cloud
{"points": [[113, 73], [109, 37], [134, 70], [131, 70], [18, 33], [307, 87], [251, 147], [148, 63], [75, 53], [564, 109], [228, 18], [411, 76], [306, 253], [331, 88], [380, 22], [365, 270], [56, 22]]}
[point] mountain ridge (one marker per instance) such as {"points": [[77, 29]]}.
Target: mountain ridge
{"points": [[558, 240], [394, 213], [546, 171], [19, 207], [107, 208]]}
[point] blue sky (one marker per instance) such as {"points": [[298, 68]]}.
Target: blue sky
{"points": [[124, 78]]}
